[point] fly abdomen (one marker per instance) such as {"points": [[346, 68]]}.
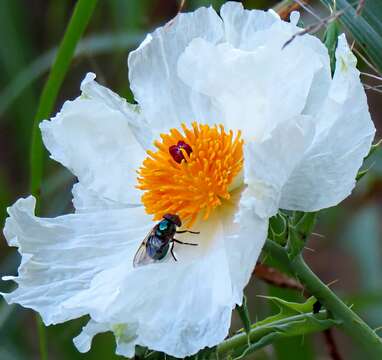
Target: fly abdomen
{"points": [[156, 248]]}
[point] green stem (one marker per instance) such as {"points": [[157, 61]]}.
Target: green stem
{"points": [[77, 24], [239, 343], [351, 323]]}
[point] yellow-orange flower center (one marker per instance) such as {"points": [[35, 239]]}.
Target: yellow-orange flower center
{"points": [[191, 172]]}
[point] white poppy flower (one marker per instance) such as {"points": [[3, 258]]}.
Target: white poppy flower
{"points": [[262, 127]]}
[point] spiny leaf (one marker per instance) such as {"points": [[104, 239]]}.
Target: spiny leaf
{"points": [[293, 319], [297, 327], [287, 309]]}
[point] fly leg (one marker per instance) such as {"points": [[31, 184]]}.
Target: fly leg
{"points": [[172, 251], [183, 243], [188, 231]]}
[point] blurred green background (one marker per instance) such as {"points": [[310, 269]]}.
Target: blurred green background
{"points": [[349, 249]]}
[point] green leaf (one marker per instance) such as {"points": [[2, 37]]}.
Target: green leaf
{"points": [[330, 39], [301, 226], [365, 28], [278, 228]]}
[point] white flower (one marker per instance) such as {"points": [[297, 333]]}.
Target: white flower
{"points": [[305, 136]]}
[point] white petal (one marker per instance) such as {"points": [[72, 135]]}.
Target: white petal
{"points": [[84, 340], [82, 264], [86, 200], [94, 137], [242, 26], [184, 306], [181, 307], [294, 17], [72, 265], [245, 234], [255, 90], [268, 164], [125, 336], [249, 30], [166, 101], [326, 175]]}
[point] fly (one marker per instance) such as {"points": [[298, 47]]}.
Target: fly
{"points": [[160, 240]]}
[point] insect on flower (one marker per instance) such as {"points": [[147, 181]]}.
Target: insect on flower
{"points": [[160, 240]]}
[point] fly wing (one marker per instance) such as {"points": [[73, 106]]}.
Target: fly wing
{"points": [[141, 257]]}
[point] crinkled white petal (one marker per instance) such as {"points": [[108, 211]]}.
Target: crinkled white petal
{"points": [[72, 265], [82, 264], [245, 233], [268, 164], [125, 336], [95, 136], [255, 89], [165, 100], [182, 307], [84, 340], [250, 29], [242, 26], [326, 174], [86, 200]]}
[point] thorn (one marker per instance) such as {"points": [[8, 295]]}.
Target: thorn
{"points": [[332, 282], [181, 6], [367, 62], [315, 27], [377, 329], [372, 76], [319, 235], [310, 249]]}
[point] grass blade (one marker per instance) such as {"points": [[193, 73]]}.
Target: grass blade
{"points": [[77, 24]]}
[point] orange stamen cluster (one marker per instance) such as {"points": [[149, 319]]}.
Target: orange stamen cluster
{"points": [[199, 182]]}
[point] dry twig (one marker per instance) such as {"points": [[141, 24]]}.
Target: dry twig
{"points": [[316, 26], [331, 345], [274, 277], [360, 7]]}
